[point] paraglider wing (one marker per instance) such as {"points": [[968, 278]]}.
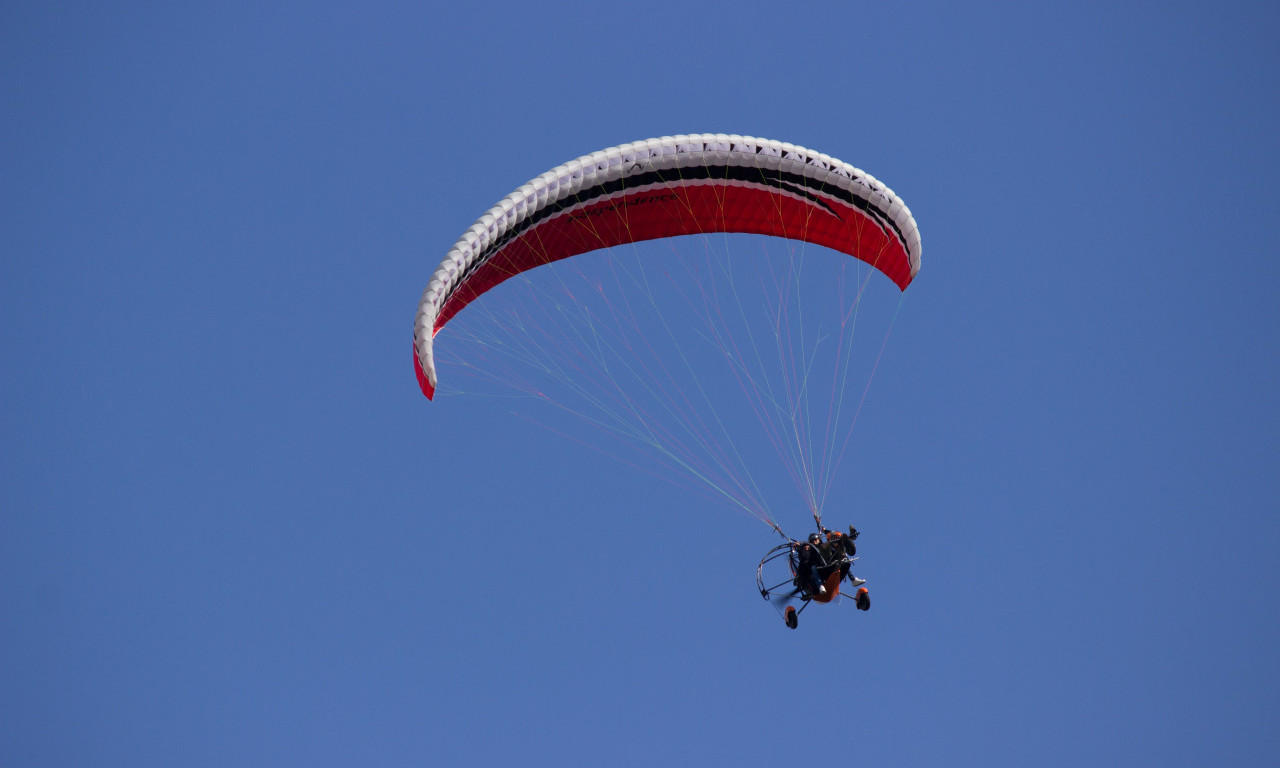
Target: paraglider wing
{"points": [[681, 185]]}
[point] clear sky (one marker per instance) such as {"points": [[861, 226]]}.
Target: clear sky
{"points": [[232, 532]]}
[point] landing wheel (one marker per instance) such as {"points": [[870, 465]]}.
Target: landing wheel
{"points": [[863, 599], [790, 617]]}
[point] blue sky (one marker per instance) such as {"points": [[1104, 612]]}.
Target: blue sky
{"points": [[232, 532]]}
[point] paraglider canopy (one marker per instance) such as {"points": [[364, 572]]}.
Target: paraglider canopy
{"points": [[666, 187]]}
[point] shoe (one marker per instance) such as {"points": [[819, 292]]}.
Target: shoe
{"points": [[857, 582], [822, 590]]}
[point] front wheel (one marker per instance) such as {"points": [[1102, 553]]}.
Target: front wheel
{"points": [[790, 617], [863, 599]]}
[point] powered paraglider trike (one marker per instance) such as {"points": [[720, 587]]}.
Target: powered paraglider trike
{"points": [[780, 581]]}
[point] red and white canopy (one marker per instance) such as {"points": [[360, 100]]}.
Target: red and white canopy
{"points": [[675, 185]]}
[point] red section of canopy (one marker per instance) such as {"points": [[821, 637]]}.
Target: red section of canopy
{"points": [[423, 383], [686, 210]]}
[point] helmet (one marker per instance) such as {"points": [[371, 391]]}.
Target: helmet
{"points": [[815, 538]]}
